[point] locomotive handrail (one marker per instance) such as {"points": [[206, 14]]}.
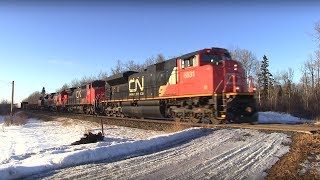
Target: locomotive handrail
{"points": [[227, 82], [218, 86], [224, 86]]}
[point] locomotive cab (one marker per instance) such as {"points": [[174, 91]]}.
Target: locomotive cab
{"points": [[212, 72]]}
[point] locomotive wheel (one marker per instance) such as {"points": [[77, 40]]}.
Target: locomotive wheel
{"points": [[86, 111], [195, 120], [177, 119], [215, 121]]}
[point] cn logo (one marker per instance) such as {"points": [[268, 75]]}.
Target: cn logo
{"points": [[135, 84], [78, 94]]}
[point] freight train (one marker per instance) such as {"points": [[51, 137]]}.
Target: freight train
{"points": [[205, 84]]}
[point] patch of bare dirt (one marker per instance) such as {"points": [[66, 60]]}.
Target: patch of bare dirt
{"points": [[301, 162]]}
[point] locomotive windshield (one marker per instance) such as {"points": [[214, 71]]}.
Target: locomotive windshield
{"points": [[210, 58], [215, 57], [226, 56]]}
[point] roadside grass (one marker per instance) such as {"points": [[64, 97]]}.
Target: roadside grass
{"points": [[175, 127], [290, 166], [17, 119]]}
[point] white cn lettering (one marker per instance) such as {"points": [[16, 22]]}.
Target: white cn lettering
{"points": [[78, 94], [134, 84]]}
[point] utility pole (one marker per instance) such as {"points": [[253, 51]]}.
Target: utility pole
{"points": [[12, 100]]}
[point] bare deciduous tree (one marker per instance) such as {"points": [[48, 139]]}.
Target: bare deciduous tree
{"points": [[4, 107], [248, 60], [119, 68], [64, 87], [132, 66], [33, 98], [317, 31], [251, 66], [154, 60], [102, 75]]}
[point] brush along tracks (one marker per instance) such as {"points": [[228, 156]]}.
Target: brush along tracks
{"points": [[170, 125]]}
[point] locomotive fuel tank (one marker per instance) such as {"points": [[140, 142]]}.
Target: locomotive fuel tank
{"points": [[147, 109]]}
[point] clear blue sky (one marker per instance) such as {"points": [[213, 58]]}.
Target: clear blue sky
{"points": [[50, 44]]}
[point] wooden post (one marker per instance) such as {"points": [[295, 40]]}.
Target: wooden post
{"points": [[12, 98], [11, 113], [102, 127]]}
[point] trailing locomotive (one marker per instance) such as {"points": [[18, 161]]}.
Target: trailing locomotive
{"points": [[205, 84], [82, 99]]}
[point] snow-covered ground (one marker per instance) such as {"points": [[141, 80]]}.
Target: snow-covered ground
{"points": [[216, 154], [281, 118], [40, 146]]}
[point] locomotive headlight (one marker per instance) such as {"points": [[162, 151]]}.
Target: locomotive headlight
{"points": [[235, 69], [249, 109], [237, 88], [235, 65]]}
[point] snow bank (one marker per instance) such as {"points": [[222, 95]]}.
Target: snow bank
{"points": [[280, 118], [17, 142], [81, 154]]}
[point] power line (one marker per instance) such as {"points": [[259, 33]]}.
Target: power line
{"points": [[6, 82], [3, 84]]}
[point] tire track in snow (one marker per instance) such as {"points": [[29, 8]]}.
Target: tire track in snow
{"points": [[246, 161], [179, 161], [219, 161], [143, 166], [239, 163]]}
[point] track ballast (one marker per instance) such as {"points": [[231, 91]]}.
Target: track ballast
{"points": [[156, 124]]}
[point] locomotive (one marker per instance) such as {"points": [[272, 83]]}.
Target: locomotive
{"points": [[205, 84]]}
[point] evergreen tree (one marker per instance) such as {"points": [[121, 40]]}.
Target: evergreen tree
{"points": [[43, 92], [265, 78]]}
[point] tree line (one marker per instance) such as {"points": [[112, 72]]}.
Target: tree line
{"points": [[278, 92], [5, 107], [274, 92], [120, 66]]}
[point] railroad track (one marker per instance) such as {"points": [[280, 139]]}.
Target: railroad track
{"points": [[155, 124]]}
